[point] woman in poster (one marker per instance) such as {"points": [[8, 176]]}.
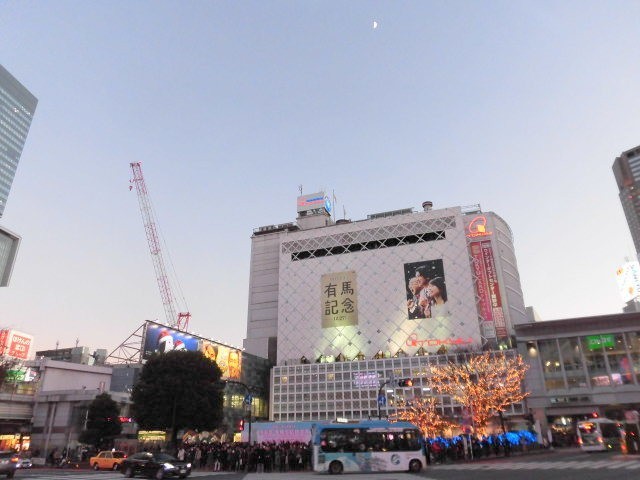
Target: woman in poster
{"points": [[437, 291]]}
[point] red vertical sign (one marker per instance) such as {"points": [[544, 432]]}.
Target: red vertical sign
{"points": [[494, 290], [481, 282]]}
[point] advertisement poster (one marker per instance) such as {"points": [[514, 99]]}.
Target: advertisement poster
{"points": [[161, 339], [339, 302], [426, 290], [488, 289], [227, 358]]}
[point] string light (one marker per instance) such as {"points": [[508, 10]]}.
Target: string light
{"points": [[486, 384]]}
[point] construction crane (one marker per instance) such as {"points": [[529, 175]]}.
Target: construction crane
{"points": [[175, 320]]}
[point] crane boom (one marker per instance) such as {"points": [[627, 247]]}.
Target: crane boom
{"points": [[180, 320]]}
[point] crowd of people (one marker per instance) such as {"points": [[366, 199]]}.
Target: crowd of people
{"points": [[466, 447], [242, 457], [296, 456]]}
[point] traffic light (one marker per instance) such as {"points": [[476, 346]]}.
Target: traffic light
{"points": [[405, 382], [241, 425]]}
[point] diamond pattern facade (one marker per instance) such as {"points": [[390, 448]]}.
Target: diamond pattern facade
{"points": [[383, 323]]}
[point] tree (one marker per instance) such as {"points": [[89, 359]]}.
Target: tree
{"points": [[486, 384], [424, 413], [178, 389], [103, 422]]}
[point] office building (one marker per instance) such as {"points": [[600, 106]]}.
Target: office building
{"points": [[17, 105], [626, 169], [343, 307], [9, 243]]}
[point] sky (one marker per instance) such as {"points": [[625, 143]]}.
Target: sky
{"points": [[520, 107]]}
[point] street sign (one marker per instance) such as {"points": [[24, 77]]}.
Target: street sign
{"points": [[247, 399], [382, 400]]}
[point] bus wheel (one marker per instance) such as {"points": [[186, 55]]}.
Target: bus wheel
{"points": [[415, 466], [335, 468]]}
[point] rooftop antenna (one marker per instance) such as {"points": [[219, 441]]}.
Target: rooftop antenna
{"points": [[300, 189]]}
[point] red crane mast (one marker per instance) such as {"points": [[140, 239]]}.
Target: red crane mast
{"points": [[179, 320]]}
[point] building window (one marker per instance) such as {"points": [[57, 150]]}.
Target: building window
{"points": [[551, 366], [572, 361], [594, 358]]}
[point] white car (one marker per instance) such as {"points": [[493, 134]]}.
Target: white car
{"points": [[24, 463]]}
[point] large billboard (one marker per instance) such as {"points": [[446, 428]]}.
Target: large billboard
{"points": [[161, 339], [488, 290], [228, 359], [15, 344], [314, 201], [426, 289], [339, 299]]}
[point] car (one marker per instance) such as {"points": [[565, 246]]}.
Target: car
{"points": [[107, 459], [155, 465], [24, 462], [8, 463]]}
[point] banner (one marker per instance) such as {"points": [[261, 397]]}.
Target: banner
{"points": [[339, 299], [488, 290]]}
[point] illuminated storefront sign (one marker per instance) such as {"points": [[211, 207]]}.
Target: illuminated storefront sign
{"points": [[339, 303], [152, 436], [488, 290], [596, 342], [478, 227]]}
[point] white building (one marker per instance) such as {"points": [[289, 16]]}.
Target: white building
{"points": [[340, 295]]}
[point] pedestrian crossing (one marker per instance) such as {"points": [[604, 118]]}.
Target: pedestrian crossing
{"points": [[622, 465]]}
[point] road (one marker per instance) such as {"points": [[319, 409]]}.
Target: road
{"points": [[557, 465]]}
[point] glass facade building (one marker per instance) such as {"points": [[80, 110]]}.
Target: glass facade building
{"points": [[17, 106], [581, 367], [354, 389]]}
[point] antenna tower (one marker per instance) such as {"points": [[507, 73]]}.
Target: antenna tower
{"points": [[179, 320]]}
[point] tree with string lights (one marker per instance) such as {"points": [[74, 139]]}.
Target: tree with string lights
{"points": [[485, 383], [424, 413]]}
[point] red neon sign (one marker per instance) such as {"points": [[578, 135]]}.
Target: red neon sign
{"points": [[478, 227], [413, 341]]}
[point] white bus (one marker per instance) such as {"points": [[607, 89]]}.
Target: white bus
{"points": [[600, 434], [367, 446]]}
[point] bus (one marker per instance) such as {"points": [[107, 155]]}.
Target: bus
{"points": [[600, 434], [367, 446]]}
